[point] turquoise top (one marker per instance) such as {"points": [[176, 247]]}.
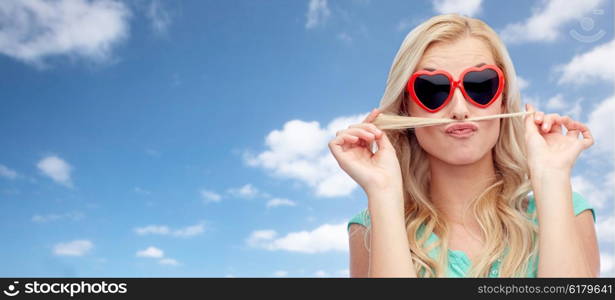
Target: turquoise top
{"points": [[458, 262]]}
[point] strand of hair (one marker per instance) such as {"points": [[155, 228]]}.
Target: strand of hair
{"points": [[395, 122]]}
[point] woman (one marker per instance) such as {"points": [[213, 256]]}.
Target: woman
{"points": [[452, 201]]}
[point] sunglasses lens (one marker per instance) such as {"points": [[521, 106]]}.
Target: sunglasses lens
{"points": [[481, 86], [432, 90]]}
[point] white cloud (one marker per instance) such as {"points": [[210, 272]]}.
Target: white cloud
{"points": [[280, 273], [547, 20], [57, 169], [151, 252], [602, 128], [296, 139], [188, 231], [141, 191], [246, 191], [556, 102], [522, 83], [299, 151], [153, 229], [169, 262], [275, 202], [404, 24], [533, 100], [575, 110], [159, 18], [318, 13], [596, 195], [7, 173], [260, 235], [344, 37], [74, 216], [607, 265], [596, 64], [338, 273], [31, 31], [210, 196], [74, 248], [322, 239], [606, 230], [464, 7], [344, 273]]}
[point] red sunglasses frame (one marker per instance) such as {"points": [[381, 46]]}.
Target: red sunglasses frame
{"points": [[454, 84]]}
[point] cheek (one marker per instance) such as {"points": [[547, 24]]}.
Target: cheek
{"points": [[497, 107], [490, 132], [429, 138]]}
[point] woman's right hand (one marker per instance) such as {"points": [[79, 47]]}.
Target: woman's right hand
{"points": [[374, 172]]}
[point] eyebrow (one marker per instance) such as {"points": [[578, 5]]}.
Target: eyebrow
{"points": [[432, 69]]}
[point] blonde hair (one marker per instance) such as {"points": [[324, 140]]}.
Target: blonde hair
{"points": [[501, 209]]}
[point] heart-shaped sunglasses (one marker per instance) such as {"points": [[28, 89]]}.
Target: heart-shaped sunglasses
{"points": [[432, 90]]}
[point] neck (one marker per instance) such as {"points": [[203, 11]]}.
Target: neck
{"points": [[453, 187]]}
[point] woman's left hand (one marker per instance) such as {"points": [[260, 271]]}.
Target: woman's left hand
{"points": [[548, 148]]}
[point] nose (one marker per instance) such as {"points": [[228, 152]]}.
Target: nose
{"points": [[459, 107]]}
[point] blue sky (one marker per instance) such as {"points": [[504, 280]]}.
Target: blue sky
{"points": [[188, 138]]}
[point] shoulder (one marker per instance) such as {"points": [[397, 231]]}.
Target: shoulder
{"points": [[579, 204], [361, 218]]}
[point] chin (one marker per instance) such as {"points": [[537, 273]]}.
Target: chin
{"points": [[464, 158]]}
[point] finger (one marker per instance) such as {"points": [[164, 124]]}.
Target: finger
{"points": [[338, 142], [369, 127], [545, 123], [529, 108], [539, 117], [572, 127], [361, 133], [573, 133], [383, 142], [588, 139], [351, 139], [557, 125], [530, 126], [336, 145], [568, 123], [548, 122], [372, 116], [353, 131]]}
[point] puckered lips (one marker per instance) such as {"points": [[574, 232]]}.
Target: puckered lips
{"points": [[461, 130]]}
